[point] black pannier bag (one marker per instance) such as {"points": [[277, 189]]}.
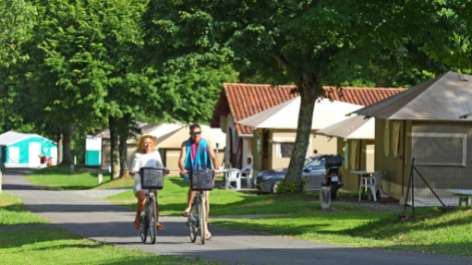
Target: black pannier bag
{"points": [[333, 161], [151, 178], [201, 180]]}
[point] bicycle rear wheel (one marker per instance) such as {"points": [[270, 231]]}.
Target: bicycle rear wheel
{"points": [[192, 223], [202, 217], [143, 228], [153, 220]]}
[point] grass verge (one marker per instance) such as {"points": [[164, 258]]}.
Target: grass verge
{"points": [[434, 232], [59, 178], [57, 246], [13, 212], [173, 199]]}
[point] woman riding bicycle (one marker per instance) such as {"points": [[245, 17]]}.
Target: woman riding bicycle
{"points": [[145, 157]]}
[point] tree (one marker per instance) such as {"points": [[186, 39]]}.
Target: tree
{"points": [[81, 59], [305, 42]]}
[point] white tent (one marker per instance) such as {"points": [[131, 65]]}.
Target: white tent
{"points": [[22, 150], [285, 115], [358, 127]]}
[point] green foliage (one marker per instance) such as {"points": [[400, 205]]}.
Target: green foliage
{"points": [[290, 187], [16, 21]]}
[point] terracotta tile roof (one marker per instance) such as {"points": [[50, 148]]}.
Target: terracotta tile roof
{"points": [[244, 100]]}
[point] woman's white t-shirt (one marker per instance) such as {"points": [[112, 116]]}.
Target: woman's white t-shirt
{"points": [[144, 160]]}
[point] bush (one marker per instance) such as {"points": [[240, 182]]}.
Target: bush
{"points": [[291, 187]]}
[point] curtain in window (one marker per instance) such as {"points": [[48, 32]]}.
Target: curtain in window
{"points": [[283, 149], [353, 158], [386, 139], [395, 138]]}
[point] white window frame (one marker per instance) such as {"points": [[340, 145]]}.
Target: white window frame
{"points": [[443, 135]]}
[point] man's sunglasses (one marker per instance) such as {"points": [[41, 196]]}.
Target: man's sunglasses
{"points": [[195, 133]]}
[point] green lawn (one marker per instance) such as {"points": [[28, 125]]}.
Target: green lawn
{"points": [[57, 246], [59, 178], [173, 198], [13, 212], [434, 232]]}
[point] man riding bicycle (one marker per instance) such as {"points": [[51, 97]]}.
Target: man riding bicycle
{"points": [[196, 154]]}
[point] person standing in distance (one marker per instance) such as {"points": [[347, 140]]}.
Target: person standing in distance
{"points": [[196, 154]]}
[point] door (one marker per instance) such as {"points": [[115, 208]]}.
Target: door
{"points": [[314, 174], [33, 152], [54, 156], [14, 156]]}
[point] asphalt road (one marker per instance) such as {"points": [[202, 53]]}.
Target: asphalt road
{"points": [[102, 221]]}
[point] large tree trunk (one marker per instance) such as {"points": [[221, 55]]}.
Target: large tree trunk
{"points": [[124, 133], [114, 152], [67, 156], [309, 90], [59, 147]]}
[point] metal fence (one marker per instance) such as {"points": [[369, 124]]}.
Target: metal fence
{"points": [[439, 180]]}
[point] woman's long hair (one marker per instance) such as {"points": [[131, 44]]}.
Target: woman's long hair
{"points": [[141, 141]]}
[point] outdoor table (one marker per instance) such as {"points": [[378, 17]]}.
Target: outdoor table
{"points": [[464, 195], [363, 175]]}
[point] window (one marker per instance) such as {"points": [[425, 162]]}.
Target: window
{"points": [[283, 149], [439, 149]]}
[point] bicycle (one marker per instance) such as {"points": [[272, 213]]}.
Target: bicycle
{"points": [[201, 181], [151, 179]]}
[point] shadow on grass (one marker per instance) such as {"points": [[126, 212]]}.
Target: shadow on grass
{"points": [[376, 226], [179, 182], [18, 238]]}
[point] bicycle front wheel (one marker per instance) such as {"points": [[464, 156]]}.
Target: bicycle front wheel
{"points": [[202, 217], [153, 220], [192, 223]]}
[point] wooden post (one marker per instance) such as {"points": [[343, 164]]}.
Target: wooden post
{"points": [[100, 179]]}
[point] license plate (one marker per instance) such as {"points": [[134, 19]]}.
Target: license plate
{"points": [[334, 179]]}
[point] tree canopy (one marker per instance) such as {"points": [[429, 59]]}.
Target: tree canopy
{"points": [[16, 21], [305, 42]]}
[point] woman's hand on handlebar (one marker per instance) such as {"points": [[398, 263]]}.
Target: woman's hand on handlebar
{"points": [[216, 171], [133, 172], [167, 171], [183, 172]]}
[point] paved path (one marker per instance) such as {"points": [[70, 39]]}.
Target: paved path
{"points": [[101, 193], [102, 221]]}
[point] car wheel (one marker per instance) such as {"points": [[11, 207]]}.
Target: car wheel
{"points": [[275, 186]]}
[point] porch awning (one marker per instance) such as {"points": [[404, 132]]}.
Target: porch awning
{"points": [[285, 115], [357, 127]]}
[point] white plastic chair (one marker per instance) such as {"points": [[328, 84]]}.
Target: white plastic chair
{"points": [[247, 177], [233, 174], [373, 182]]}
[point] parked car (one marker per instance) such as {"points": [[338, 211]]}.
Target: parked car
{"points": [[314, 173]]}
